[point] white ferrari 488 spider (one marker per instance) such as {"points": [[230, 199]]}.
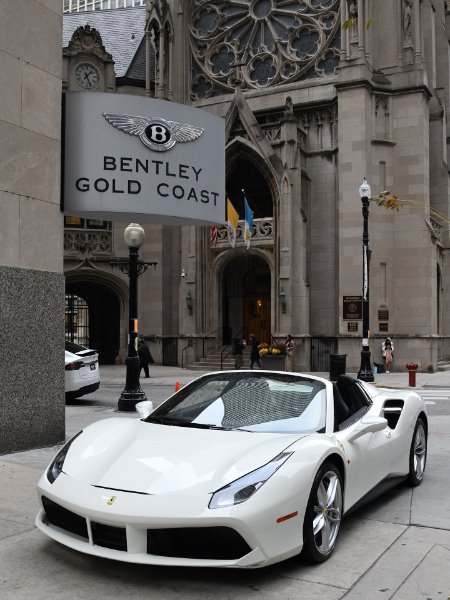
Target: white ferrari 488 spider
{"points": [[237, 469]]}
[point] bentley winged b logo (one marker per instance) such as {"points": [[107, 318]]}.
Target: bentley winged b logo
{"points": [[154, 132]]}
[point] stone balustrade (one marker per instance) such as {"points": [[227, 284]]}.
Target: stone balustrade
{"points": [[263, 234]]}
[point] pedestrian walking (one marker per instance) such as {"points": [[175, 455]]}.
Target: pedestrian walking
{"points": [[289, 348], [238, 352], [145, 357], [387, 349], [254, 352]]}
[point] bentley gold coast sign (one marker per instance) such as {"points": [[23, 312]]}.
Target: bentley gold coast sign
{"points": [[141, 158]]}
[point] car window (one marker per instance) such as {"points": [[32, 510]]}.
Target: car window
{"points": [[74, 348], [256, 402]]}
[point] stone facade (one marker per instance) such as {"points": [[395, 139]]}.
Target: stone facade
{"points": [[314, 99], [380, 113], [31, 226]]}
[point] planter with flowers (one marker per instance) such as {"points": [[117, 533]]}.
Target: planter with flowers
{"points": [[272, 357]]}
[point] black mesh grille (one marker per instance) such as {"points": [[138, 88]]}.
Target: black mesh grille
{"points": [[215, 543], [63, 518], [108, 536]]}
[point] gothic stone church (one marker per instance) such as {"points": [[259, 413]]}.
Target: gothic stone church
{"points": [[315, 96]]}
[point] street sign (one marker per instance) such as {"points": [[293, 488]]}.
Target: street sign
{"points": [[352, 308]]}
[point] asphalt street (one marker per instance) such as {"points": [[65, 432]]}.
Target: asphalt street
{"points": [[397, 547]]}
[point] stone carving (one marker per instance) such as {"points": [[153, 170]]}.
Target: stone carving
{"points": [[263, 232], [288, 107], [353, 14], [353, 10], [92, 242], [87, 39], [407, 23], [261, 43]]}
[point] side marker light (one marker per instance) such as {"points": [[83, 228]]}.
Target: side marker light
{"points": [[286, 517]]}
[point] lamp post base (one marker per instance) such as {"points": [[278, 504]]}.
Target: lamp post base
{"points": [[132, 393], [128, 400], [365, 372]]}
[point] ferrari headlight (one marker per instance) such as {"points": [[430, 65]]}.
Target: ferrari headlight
{"points": [[57, 463], [243, 488]]}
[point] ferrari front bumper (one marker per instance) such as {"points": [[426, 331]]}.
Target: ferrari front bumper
{"points": [[165, 530]]}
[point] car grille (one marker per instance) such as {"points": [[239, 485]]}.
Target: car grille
{"points": [[65, 519], [215, 543], [108, 536]]}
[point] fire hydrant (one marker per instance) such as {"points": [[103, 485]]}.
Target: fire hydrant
{"points": [[412, 369]]}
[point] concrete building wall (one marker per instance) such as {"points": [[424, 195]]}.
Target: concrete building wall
{"points": [[32, 399]]}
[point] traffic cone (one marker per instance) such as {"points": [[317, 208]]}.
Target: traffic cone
{"points": [[177, 386]]}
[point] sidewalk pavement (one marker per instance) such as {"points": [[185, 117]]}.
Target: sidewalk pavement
{"points": [[160, 375], [395, 548]]}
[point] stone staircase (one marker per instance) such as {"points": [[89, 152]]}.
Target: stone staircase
{"points": [[212, 362]]}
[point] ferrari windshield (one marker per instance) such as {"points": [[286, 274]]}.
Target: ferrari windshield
{"points": [[250, 401]]}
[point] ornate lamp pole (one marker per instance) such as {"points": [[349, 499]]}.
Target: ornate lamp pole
{"points": [[132, 393], [365, 370]]}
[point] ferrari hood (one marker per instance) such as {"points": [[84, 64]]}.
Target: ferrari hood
{"points": [[135, 456]]}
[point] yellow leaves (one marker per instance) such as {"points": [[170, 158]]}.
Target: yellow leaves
{"points": [[349, 23], [353, 21], [389, 200]]}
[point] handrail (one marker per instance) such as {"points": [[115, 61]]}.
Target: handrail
{"points": [[207, 336], [222, 356], [273, 340], [190, 344]]}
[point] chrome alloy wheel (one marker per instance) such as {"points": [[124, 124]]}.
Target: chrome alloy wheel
{"points": [[420, 451], [327, 512]]}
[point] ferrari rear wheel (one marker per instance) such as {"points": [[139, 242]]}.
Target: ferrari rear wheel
{"points": [[323, 514], [418, 454]]}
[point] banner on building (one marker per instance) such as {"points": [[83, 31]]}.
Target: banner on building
{"points": [[142, 159]]}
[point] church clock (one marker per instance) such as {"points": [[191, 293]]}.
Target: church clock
{"points": [[87, 76]]}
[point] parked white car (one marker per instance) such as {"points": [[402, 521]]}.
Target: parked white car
{"points": [[82, 374]]}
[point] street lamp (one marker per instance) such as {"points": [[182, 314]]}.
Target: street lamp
{"points": [[365, 370], [132, 393]]}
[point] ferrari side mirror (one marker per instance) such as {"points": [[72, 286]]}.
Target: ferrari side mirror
{"points": [[144, 408], [368, 425]]}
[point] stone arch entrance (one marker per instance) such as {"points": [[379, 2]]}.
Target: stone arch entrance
{"points": [[246, 298], [104, 303]]}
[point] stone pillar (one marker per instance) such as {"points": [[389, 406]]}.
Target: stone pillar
{"points": [[32, 402]]}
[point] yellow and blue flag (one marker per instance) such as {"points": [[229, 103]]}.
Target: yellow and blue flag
{"points": [[248, 230]]}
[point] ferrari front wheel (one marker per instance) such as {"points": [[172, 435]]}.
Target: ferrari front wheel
{"points": [[323, 514], [418, 454]]}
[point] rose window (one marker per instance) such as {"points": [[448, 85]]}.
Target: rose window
{"points": [[261, 43]]}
